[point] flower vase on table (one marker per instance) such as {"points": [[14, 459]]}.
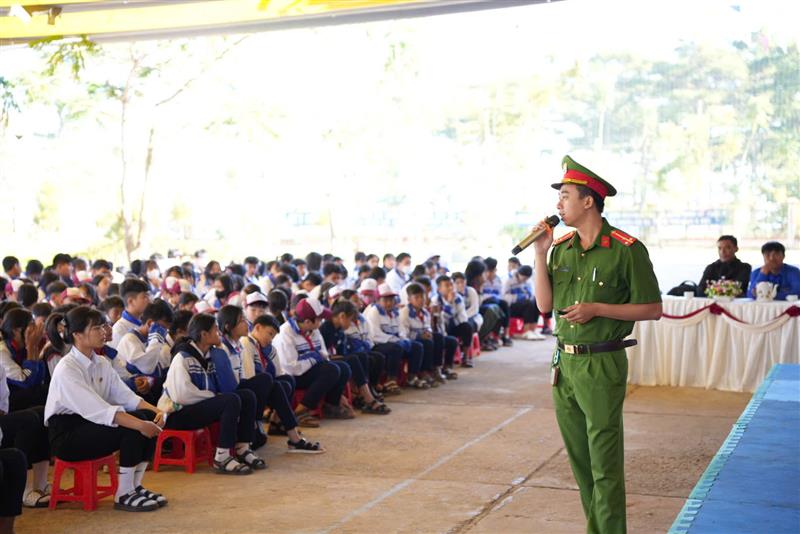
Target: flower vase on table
{"points": [[723, 290]]}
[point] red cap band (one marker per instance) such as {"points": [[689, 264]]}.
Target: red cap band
{"points": [[577, 177]]}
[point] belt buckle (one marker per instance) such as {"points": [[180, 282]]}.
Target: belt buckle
{"points": [[569, 349]]}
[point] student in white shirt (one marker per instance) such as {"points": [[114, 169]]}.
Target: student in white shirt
{"points": [[451, 313], [303, 355], [384, 325], [416, 324], [400, 274], [25, 371], [492, 295], [91, 413], [136, 294], [193, 399], [143, 351], [518, 292]]}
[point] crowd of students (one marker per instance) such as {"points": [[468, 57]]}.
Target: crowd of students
{"points": [[95, 361]]}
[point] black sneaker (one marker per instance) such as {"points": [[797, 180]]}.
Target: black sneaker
{"points": [[507, 342]]}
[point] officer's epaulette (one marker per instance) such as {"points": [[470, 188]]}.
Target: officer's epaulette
{"points": [[623, 238], [565, 237]]}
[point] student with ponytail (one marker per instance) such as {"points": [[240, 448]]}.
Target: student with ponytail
{"points": [[193, 399], [91, 413], [25, 371], [269, 391]]}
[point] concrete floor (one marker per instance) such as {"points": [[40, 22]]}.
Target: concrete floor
{"points": [[480, 455]]}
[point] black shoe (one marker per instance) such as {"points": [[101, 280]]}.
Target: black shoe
{"points": [[547, 331], [467, 364], [259, 440], [507, 342]]}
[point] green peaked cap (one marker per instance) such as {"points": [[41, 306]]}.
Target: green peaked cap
{"points": [[575, 173]]}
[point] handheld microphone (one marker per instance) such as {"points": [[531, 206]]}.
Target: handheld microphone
{"points": [[551, 221]]}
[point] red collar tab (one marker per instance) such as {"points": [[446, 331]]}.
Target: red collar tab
{"points": [[605, 241]]}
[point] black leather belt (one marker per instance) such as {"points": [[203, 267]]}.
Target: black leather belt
{"points": [[607, 346]]}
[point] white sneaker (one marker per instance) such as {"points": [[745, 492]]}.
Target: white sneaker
{"points": [[530, 335]]}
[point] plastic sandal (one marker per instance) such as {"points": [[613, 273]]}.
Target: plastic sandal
{"points": [[240, 468], [160, 499], [135, 502], [376, 408], [305, 447], [249, 458]]}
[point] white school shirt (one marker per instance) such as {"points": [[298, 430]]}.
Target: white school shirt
{"points": [[396, 280], [289, 342], [492, 288], [121, 327], [472, 303], [11, 368], [147, 357], [251, 351], [90, 388], [413, 323], [383, 326], [178, 385]]}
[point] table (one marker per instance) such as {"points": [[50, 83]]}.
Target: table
{"points": [[704, 345]]}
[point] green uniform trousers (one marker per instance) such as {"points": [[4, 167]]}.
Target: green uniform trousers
{"points": [[588, 401]]}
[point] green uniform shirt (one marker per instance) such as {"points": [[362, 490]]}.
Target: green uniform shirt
{"points": [[610, 272]]}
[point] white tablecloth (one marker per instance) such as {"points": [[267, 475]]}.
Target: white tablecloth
{"points": [[713, 351]]}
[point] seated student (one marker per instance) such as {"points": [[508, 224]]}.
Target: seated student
{"points": [[260, 357], [178, 329], [399, 275], [27, 295], [388, 356], [193, 400], [278, 302], [188, 301], [444, 346], [492, 295], [361, 275], [471, 302], [12, 267], [91, 413], [384, 325], [415, 324], [448, 307], [251, 270], [388, 262], [25, 430], [368, 291], [517, 291], [267, 282], [360, 261], [311, 281], [228, 366], [54, 293], [785, 277], [171, 291], [21, 359], [62, 266], [379, 275], [102, 283], [136, 295], [513, 265], [142, 350], [223, 293], [112, 307], [491, 313], [301, 267], [34, 270], [332, 275], [303, 355], [727, 267], [256, 305], [343, 314]]}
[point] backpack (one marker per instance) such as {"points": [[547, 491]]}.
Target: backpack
{"points": [[686, 285]]}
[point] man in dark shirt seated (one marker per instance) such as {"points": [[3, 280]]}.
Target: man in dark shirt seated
{"points": [[727, 267]]}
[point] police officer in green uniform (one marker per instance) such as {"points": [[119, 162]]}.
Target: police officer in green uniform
{"points": [[599, 280]]}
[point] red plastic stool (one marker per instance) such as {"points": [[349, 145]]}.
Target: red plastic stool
{"points": [[84, 487], [190, 447], [475, 348], [515, 326], [458, 356]]}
